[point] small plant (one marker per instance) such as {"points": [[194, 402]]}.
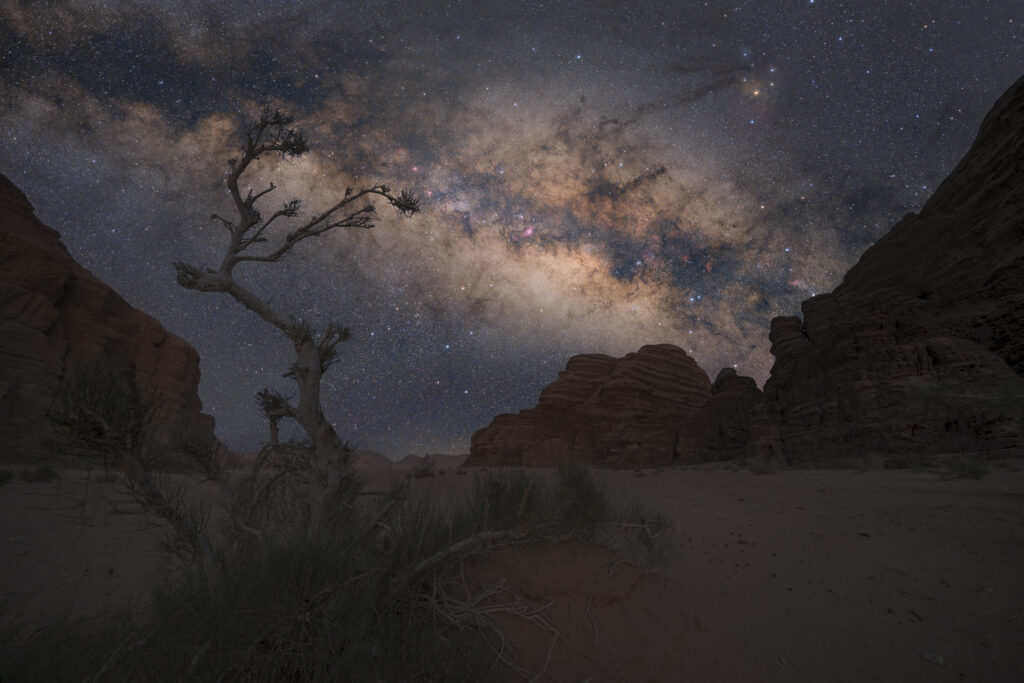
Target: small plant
{"points": [[506, 499], [649, 529], [583, 501]]}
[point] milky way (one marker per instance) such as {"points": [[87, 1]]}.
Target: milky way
{"points": [[594, 176]]}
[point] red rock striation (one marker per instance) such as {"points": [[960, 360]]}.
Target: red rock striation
{"points": [[921, 348], [613, 412], [57, 318]]}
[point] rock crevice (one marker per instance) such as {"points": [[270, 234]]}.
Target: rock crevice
{"points": [[920, 350]]}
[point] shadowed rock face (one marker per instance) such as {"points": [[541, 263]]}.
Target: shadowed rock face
{"points": [[728, 425], [57, 318], [921, 348], [615, 412]]}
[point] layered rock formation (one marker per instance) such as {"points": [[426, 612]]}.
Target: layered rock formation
{"points": [[56, 318], [921, 348], [731, 424], [614, 412]]}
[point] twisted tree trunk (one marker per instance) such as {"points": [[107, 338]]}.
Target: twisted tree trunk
{"points": [[272, 133]]}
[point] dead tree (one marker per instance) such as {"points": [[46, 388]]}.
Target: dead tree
{"points": [[315, 351]]}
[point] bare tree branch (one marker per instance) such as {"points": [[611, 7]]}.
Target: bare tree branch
{"points": [[273, 132], [228, 225], [290, 209], [322, 223], [251, 198]]}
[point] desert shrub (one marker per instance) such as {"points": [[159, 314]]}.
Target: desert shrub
{"points": [[321, 608], [41, 474], [5, 476], [506, 499], [376, 593], [367, 591], [103, 413], [583, 502], [648, 531]]}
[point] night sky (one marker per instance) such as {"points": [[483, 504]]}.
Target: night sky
{"points": [[594, 176]]}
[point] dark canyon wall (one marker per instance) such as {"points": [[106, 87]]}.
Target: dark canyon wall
{"points": [[57, 318]]}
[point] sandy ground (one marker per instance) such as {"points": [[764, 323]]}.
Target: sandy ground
{"points": [[795, 576]]}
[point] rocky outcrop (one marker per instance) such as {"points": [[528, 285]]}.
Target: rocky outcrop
{"points": [[729, 425], [56, 318], [921, 348], [613, 412]]}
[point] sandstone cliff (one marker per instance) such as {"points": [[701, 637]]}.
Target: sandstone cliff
{"points": [[614, 412], [57, 318], [921, 348]]}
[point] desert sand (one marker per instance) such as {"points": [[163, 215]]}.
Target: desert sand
{"points": [[802, 575]]}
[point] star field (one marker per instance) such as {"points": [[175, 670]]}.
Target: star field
{"points": [[594, 176]]}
